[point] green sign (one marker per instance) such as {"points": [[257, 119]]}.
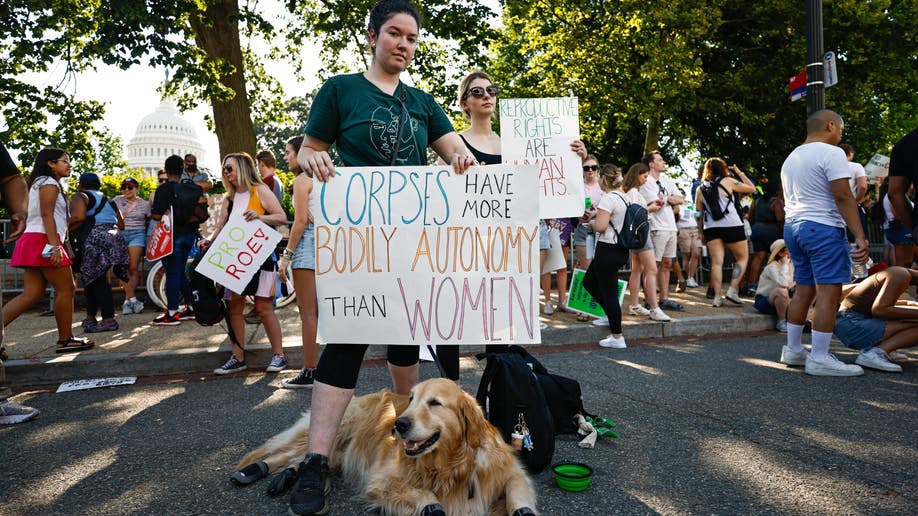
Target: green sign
{"points": [[579, 300]]}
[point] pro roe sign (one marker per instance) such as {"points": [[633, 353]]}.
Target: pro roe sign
{"points": [[238, 252], [419, 255]]}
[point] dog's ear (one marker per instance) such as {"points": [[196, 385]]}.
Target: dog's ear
{"points": [[473, 420]]}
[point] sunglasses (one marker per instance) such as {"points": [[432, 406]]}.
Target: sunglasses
{"points": [[227, 169], [162, 180], [587, 168], [478, 91], [131, 187]]}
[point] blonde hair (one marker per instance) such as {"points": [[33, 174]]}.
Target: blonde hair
{"points": [[610, 177], [466, 84], [247, 175]]}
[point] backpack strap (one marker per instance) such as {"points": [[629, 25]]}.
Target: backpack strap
{"points": [[617, 232], [718, 183]]}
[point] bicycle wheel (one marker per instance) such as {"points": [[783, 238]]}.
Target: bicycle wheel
{"points": [[156, 285]]}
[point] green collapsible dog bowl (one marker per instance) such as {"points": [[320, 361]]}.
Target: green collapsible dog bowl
{"points": [[572, 476]]}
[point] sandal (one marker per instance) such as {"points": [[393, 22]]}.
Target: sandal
{"points": [[73, 344], [583, 317]]}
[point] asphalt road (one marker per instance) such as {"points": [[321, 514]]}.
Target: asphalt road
{"points": [[707, 426]]}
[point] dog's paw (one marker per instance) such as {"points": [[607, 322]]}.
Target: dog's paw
{"points": [[523, 511], [282, 482], [433, 509], [250, 474]]}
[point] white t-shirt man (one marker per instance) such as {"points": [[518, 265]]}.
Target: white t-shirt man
{"points": [[664, 219], [805, 177], [857, 170]]}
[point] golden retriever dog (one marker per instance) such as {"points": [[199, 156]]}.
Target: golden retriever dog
{"points": [[407, 453]]}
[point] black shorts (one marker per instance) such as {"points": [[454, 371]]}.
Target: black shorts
{"points": [[339, 364], [728, 235]]}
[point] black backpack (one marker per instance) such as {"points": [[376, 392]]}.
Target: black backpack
{"points": [[712, 199], [189, 205], [562, 394], [206, 298], [635, 227], [510, 395]]}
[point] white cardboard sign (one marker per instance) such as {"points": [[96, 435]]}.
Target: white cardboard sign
{"points": [[238, 252], [419, 255], [540, 132]]}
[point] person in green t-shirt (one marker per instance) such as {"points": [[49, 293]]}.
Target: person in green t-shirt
{"points": [[373, 119]]}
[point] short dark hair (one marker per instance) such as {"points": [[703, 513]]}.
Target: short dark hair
{"points": [[847, 148], [192, 155], [385, 9], [174, 165], [649, 157], [267, 157]]}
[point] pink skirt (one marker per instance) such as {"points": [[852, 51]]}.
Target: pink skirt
{"points": [[266, 283], [29, 247]]}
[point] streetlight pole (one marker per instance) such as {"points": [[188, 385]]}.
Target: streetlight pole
{"points": [[815, 86]]}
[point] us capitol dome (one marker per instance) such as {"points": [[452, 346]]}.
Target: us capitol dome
{"points": [[159, 135]]}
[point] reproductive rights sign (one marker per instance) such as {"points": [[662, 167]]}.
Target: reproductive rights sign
{"points": [[540, 132], [238, 252], [419, 255]]}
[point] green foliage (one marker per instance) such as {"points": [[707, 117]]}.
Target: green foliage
{"points": [[111, 184]]}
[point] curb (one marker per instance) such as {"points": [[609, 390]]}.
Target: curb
{"points": [[48, 370]]}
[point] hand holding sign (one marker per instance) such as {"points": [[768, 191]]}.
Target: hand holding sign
{"points": [[238, 252]]}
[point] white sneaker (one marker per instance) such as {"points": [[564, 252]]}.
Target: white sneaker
{"points": [[876, 358], [612, 342], [691, 283], [793, 358], [718, 302], [549, 308], [830, 366], [127, 307], [657, 315], [897, 356], [638, 310], [733, 296], [602, 321], [138, 306]]}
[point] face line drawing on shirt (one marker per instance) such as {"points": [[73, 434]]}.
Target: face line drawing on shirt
{"points": [[384, 122]]}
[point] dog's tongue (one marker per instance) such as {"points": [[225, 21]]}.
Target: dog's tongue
{"points": [[413, 445]]}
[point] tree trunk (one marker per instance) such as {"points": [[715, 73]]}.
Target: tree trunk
{"points": [[652, 140], [217, 34]]}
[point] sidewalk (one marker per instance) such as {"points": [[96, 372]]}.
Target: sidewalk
{"points": [[140, 349]]}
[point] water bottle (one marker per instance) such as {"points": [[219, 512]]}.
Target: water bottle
{"points": [[858, 270]]}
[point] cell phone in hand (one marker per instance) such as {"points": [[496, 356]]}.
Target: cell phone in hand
{"points": [[48, 251]]}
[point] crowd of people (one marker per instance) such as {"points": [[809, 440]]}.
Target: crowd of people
{"points": [[815, 211]]}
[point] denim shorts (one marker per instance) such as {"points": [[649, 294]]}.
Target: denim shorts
{"points": [[544, 242], [896, 234], [135, 237], [304, 257], [580, 234], [819, 252], [857, 330], [763, 305]]}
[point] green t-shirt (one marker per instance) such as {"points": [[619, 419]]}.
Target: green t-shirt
{"points": [[363, 122]]}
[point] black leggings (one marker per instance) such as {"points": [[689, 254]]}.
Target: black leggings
{"points": [[601, 281], [449, 357], [99, 298], [339, 365]]}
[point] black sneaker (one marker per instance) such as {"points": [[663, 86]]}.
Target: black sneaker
{"points": [[303, 380], [186, 314], [231, 366], [311, 487], [167, 320]]}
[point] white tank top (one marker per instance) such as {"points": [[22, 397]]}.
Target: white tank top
{"points": [[731, 220], [34, 222]]}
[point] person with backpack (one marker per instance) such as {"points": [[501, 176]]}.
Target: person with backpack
{"points": [[643, 260], [721, 224], [96, 221], [248, 197], [601, 278], [178, 201]]}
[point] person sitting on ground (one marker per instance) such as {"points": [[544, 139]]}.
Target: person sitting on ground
{"points": [[775, 284], [872, 319]]}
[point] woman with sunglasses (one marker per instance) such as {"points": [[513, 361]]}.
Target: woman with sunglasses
{"points": [[136, 212], [643, 261], [41, 251], [249, 197]]}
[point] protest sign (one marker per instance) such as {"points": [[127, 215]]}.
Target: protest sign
{"points": [[579, 300], [540, 132], [160, 244], [877, 168], [419, 255], [238, 252], [95, 383]]}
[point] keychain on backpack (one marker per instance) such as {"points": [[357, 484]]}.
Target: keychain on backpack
{"points": [[523, 431], [516, 438]]}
